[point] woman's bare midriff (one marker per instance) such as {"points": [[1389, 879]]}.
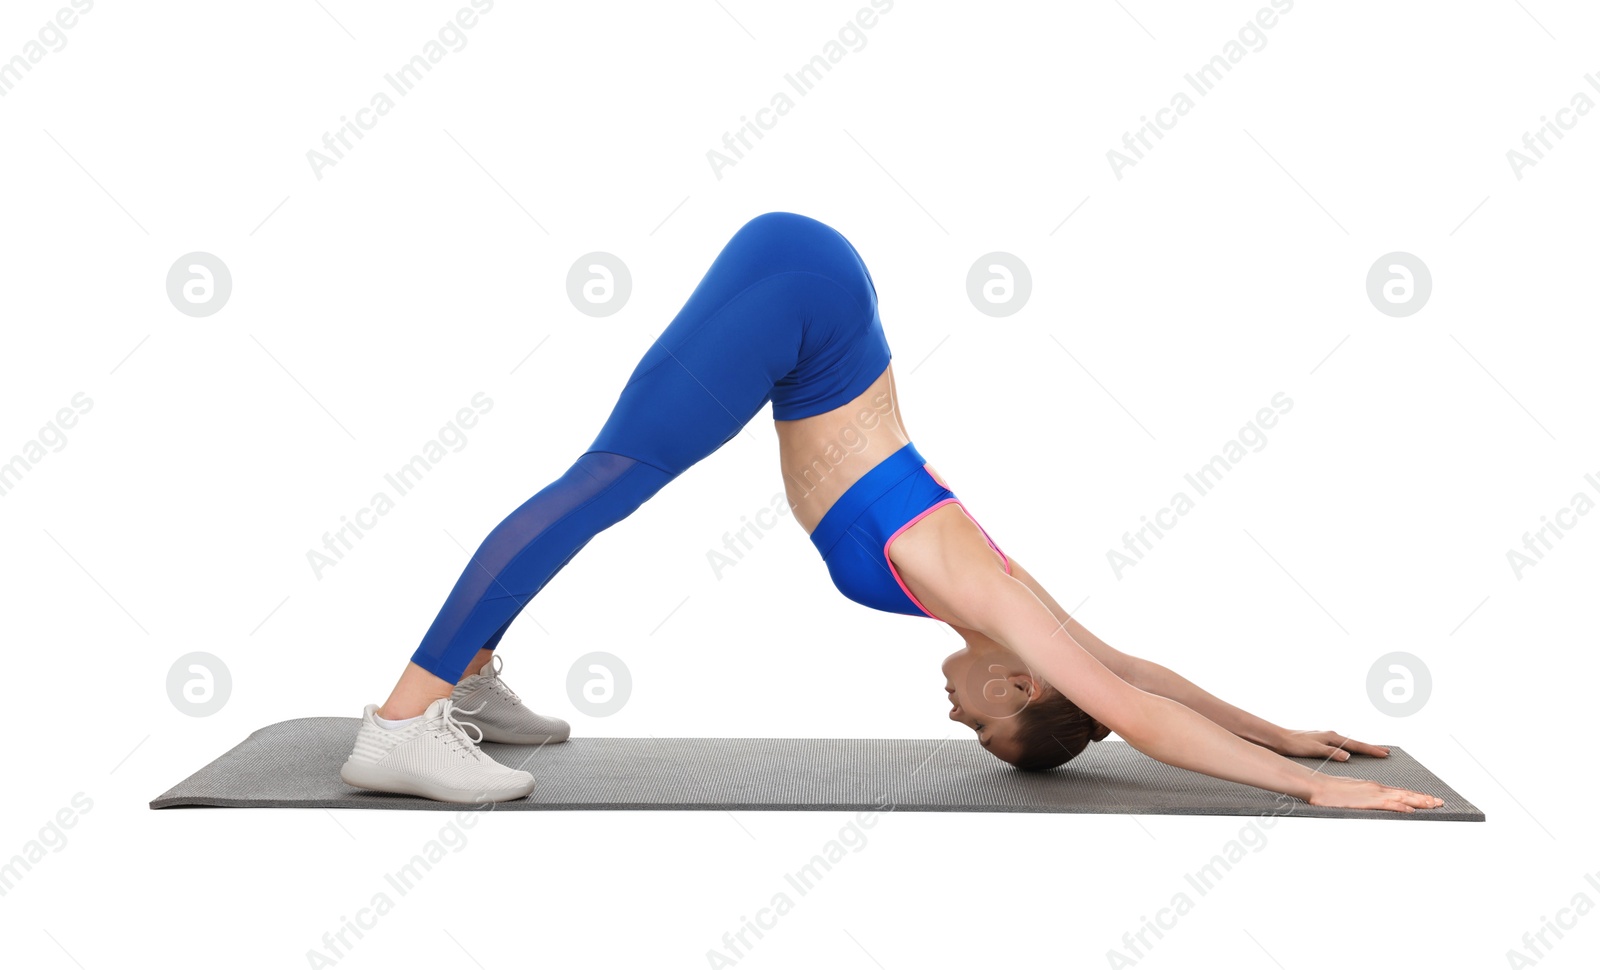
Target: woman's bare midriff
{"points": [[823, 455]]}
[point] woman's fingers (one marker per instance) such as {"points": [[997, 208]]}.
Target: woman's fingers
{"points": [[1359, 747], [1337, 740], [1360, 793], [1426, 801], [1415, 799]]}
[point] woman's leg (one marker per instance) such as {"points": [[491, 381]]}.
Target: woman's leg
{"points": [[515, 561], [703, 379]]}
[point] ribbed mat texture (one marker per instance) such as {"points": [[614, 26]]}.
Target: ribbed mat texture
{"points": [[295, 764]]}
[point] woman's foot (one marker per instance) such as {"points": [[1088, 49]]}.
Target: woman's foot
{"points": [[484, 701], [430, 755]]}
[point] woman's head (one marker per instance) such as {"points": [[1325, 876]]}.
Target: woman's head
{"points": [[1018, 717]]}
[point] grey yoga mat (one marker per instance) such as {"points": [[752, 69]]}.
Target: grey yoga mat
{"points": [[295, 764]]}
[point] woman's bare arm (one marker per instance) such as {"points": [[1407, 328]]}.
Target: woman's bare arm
{"points": [[953, 572], [1003, 608], [1153, 677]]}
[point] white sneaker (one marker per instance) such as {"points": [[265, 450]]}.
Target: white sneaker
{"points": [[432, 756], [487, 703]]}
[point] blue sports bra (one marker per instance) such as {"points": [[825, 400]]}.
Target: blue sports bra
{"points": [[856, 531]]}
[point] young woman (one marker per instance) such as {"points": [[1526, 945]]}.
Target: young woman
{"points": [[788, 313]]}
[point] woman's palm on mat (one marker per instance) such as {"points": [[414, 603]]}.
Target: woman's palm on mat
{"points": [[1337, 792], [1324, 744], [1342, 792]]}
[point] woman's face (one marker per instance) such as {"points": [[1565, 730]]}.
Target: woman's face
{"points": [[988, 686]]}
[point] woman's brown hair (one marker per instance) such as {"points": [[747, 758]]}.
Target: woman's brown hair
{"points": [[1052, 731]]}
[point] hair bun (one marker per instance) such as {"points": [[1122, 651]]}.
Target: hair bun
{"points": [[1100, 733]]}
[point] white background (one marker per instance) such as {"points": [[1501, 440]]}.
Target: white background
{"points": [[369, 305]]}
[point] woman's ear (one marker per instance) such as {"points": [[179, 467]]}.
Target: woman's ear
{"points": [[1028, 687], [1024, 690]]}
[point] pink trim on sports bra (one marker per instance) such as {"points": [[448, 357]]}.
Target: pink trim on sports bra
{"points": [[918, 518]]}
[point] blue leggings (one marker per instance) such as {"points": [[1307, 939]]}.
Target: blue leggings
{"points": [[787, 313]]}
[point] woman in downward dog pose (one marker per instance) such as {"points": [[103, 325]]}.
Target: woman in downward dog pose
{"points": [[788, 313]]}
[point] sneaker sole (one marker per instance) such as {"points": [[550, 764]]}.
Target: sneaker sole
{"points": [[524, 738], [377, 778]]}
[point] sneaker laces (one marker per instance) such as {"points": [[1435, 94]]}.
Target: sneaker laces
{"points": [[454, 733], [495, 683]]}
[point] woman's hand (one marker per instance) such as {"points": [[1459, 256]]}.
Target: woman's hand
{"points": [[1331, 791], [1323, 744]]}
